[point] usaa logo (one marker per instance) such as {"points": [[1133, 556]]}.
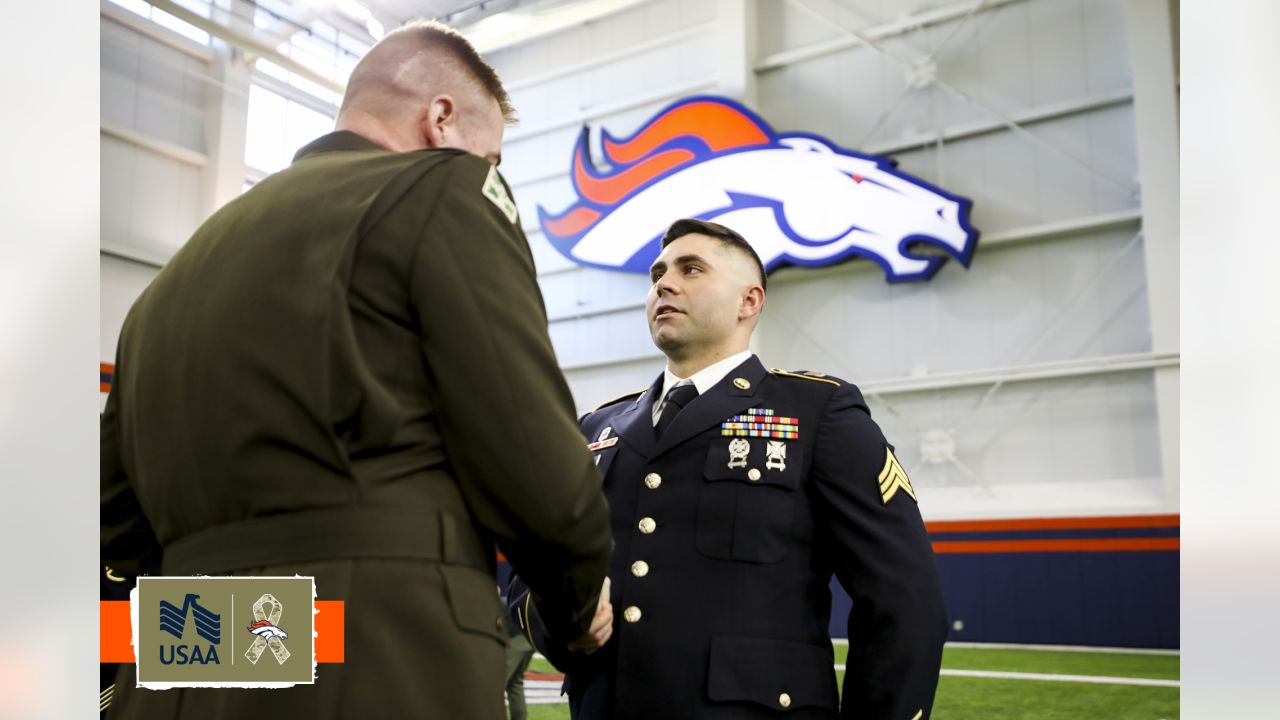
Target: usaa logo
{"points": [[799, 199], [208, 627]]}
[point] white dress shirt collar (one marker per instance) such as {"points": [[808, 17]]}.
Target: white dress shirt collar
{"points": [[703, 380]]}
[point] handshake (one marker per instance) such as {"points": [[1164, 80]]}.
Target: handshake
{"points": [[601, 625]]}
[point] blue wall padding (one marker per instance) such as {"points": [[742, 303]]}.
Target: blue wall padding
{"points": [[1117, 599]]}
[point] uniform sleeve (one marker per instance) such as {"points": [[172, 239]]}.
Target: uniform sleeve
{"points": [[504, 408], [128, 544], [525, 615], [883, 559]]}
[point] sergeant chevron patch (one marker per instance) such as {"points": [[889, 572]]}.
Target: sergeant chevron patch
{"points": [[894, 478]]}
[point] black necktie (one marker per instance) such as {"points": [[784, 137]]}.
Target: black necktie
{"points": [[677, 398]]}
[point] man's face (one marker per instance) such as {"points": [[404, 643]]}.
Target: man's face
{"points": [[697, 293]]}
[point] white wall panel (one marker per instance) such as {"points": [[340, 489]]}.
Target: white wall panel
{"points": [[1014, 307], [150, 202], [1055, 28], [122, 282], [117, 174], [1114, 151], [1106, 52], [1079, 446], [1004, 78], [152, 88], [602, 339], [782, 27], [120, 66], [588, 289], [546, 258], [595, 386], [605, 35]]}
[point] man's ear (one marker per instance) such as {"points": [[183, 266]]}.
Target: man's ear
{"points": [[752, 302], [439, 121]]}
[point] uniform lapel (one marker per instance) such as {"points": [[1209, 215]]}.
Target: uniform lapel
{"points": [[721, 401], [635, 424]]}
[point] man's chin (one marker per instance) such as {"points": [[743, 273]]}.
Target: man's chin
{"points": [[666, 341]]}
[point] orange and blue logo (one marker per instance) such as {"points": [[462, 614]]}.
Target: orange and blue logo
{"points": [[798, 198]]}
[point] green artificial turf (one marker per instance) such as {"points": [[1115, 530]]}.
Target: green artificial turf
{"points": [[1161, 667], [966, 698], [548, 712], [1132, 665], [961, 698]]}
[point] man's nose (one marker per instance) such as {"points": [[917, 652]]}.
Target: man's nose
{"points": [[667, 286]]}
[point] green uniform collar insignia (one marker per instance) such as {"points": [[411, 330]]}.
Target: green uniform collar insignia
{"points": [[497, 194]]}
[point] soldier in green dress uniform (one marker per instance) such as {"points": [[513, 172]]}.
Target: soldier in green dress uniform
{"points": [[346, 373]]}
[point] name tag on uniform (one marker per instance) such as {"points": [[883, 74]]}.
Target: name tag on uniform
{"points": [[602, 444]]}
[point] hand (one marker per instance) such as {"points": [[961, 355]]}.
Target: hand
{"points": [[601, 625]]}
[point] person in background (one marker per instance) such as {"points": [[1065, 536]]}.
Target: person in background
{"points": [[519, 654]]}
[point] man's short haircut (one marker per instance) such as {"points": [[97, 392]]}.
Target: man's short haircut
{"points": [[727, 237], [435, 34]]}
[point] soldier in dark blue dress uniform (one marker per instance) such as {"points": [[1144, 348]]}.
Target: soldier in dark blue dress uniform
{"points": [[735, 493]]}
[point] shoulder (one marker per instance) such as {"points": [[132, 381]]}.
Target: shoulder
{"points": [[833, 392], [446, 170], [809, 375], [604, 414], [471, 183], [619, 402]]}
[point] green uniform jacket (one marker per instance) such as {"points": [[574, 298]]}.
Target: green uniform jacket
{"points": [[357, 344]]}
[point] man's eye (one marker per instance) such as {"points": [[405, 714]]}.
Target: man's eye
{"points": [[653, 277], [692, 269]]}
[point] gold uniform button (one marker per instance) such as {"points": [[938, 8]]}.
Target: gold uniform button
{"points": [[652, 481], [500, 624], [753, 474], [648, 525], [784, 700], [741, 383], [631, 614], [639, 568]]}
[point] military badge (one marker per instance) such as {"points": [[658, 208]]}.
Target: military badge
{"points": [[761, 422], [776, 455], [738, 451]]}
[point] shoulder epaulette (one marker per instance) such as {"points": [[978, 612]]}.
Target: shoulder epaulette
{"points": [[806, 375], [620, 398]]}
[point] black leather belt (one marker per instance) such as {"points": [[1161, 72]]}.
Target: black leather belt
{"points": [[332, 533]]}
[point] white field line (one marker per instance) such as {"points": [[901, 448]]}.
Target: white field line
{"points": [[1101, 680], [1064, 648], [1097, 679], [543, 692], [1051, 648]]}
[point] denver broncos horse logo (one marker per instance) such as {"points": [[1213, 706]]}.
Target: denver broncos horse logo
{"points": [[796, 197]]}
